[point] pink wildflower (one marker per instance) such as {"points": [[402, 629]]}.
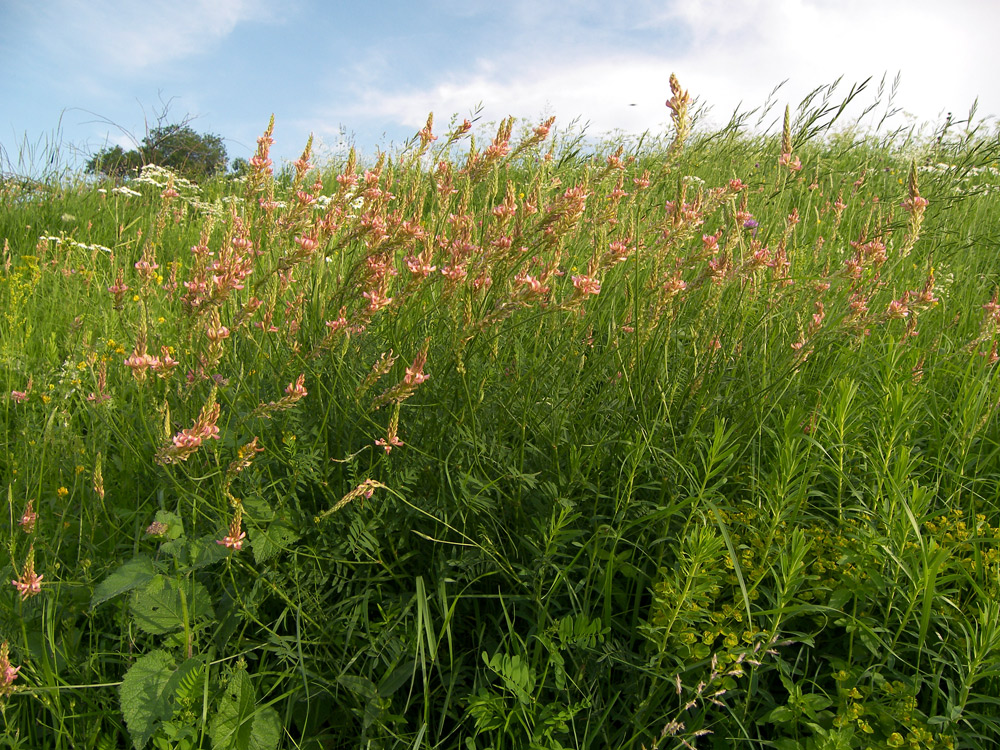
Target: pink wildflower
{"points": [[376, 300], [533, 283], [297, 390], [234, 540], [415, 374], [619, 251], [29, 517], [897, 309], [419, 267], [30, 583], [914, 204], [307, 243], [785, 160], [586, 285], [186, 442], [389, 443], [217, 333], [673, 286], [8, 672]]}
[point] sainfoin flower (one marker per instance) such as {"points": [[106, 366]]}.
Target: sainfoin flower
{"points": [[29, 517], [390, 442], [897, 309], [297, 390], [22, 396], [415, 375], [8, 672], [234, 540], [586, 285], [186, 442], [30, 583]]}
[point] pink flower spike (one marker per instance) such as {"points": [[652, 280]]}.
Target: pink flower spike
{"points": [[587, 285], [8, 672], [297, 389], [29, 584], [234, 540], [29, 517], [389, 444], [376, 300]]}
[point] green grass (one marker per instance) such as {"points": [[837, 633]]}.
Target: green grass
{"points": [[745, 494]]}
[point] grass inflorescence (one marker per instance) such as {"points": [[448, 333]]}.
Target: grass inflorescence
{"points": [[502, 444]]}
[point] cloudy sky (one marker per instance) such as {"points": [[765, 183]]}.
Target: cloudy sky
{"points": [[101, 70]]}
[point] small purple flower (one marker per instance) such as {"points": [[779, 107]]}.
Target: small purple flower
{"points": [[752, 225]]}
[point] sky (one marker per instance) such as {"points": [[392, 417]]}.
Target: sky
{"points": [[84, 74]]}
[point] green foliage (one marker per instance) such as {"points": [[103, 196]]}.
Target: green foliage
{"points": [[195, 156], [599, 450], [149, 691], [239, 724]]}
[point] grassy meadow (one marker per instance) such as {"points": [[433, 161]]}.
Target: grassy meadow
{"points": [[517, 442]]}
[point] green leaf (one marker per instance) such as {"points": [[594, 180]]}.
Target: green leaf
{"points": [[266, 729], [136, 572], [206, 551], [159, 608], [839, 598], [239, 725], [143, 695], [780, 715], [268, 542], [360, 686], [258, 509]]}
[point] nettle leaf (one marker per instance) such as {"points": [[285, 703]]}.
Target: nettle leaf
{"points": [[268, 542], [258, 508], [206, 551], [239, 724], [144, 698], [135, 573], [159, 608]]}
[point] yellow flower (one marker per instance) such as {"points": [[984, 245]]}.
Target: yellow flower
{"points": [[62, 492]]}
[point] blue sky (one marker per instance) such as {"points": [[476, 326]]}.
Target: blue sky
{"points": [[100, 70]]}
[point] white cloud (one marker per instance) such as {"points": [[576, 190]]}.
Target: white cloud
{"points": [[132, 36], [599, 91], [943, 51], [726, 54]]}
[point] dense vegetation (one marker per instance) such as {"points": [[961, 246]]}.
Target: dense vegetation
{"points": [[194, 156], [685, 443]]}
